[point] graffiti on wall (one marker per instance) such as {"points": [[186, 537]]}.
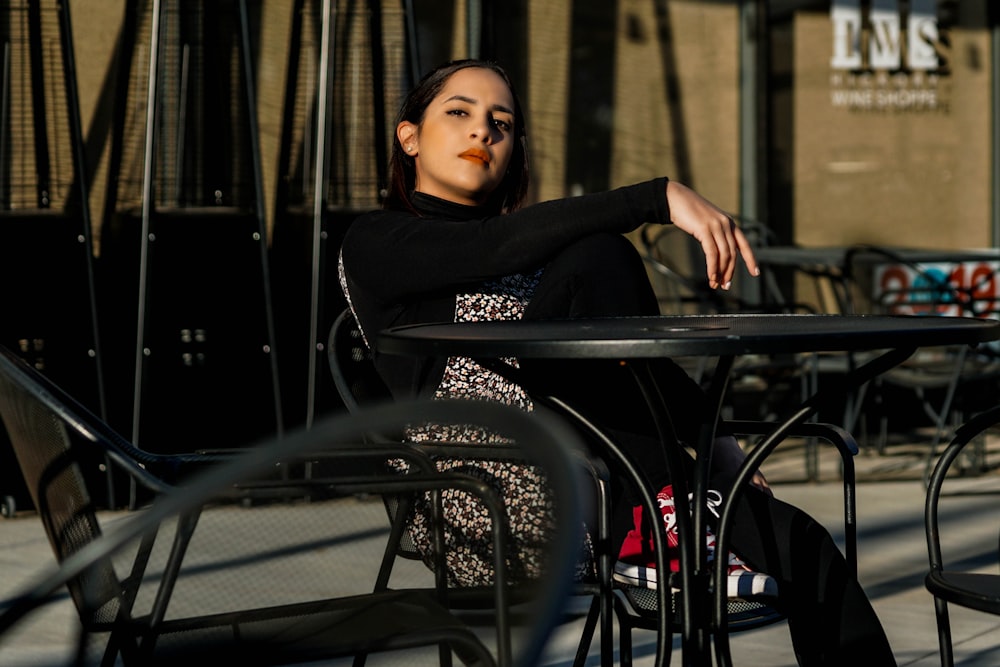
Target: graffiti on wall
{"points": [[938, 288]]}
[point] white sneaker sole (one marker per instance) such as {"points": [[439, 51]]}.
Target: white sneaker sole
{"points": [[739, 584]]}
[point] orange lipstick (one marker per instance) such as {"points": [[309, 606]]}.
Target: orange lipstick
{"points": [[476, 155]]}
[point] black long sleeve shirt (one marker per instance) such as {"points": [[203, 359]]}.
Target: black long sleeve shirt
{"points": [[400, 268]]}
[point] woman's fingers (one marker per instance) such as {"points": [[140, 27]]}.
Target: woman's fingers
{"points": [[760, 482], [728, 244], [721, 240], [746, 251]]}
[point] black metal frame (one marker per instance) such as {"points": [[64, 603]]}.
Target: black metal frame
{"points": [[978, 591], [147, 248], [420, 616], [46, 250]]}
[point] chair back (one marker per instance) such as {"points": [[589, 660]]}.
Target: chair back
{"points": [[350, 359], [327, 617], [55, 440], [52, 442], [360, 387], [963, 582]]}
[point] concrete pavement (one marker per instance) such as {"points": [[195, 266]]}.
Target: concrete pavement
{"points": [[892, 563]]}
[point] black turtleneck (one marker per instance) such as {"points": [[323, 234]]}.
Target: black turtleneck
{"points": [[405, 268]]}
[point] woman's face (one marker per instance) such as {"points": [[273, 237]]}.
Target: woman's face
{"points": [[464, 143]]}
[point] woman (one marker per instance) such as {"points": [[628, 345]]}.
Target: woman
{"points": [[453, 243]]}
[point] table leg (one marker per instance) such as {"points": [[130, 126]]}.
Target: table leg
{"points": [[860, 376], [690, 514], [702, 608]]}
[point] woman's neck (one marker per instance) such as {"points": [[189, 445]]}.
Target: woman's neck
{"points": [[431, 205]]}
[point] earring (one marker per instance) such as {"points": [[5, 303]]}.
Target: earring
{"points": [[409, 148]]}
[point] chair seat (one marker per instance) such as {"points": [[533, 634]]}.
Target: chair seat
{"points": [[980, 591], [744, 613]]}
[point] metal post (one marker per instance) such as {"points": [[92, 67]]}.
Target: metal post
{"points": [[474, 27], [249, 83], [319, 190], [994, 14], [752, 159], [152, 82]]}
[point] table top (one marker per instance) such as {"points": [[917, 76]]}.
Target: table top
{"points": [[684, 335], [837, 255]]}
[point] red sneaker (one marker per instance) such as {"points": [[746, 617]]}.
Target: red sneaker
{"points": [[636, 565]]}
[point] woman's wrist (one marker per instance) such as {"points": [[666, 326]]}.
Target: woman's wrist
{"points": [[727, 453]]}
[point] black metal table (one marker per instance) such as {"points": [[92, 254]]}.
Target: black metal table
{"points": [[840, 264], [836, 255], [637, 340]]}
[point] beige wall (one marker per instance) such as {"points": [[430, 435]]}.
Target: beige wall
{"points": [[95, 38], [891, 176], [881, 177], [706, 61], [547, 94], [699, 141], [644, 141], [96, 30]]}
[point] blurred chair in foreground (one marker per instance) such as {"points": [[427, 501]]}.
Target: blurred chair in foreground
{"points": [[269, 578]]}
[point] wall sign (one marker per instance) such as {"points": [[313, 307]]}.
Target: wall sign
{"points": [[889, 55]]}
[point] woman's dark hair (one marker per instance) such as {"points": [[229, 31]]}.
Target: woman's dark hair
{"points": [[402, 169]]}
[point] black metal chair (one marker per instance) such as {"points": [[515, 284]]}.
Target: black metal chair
{"points": [[639, 608], [948, 583], [236, 589], [947, 382]]}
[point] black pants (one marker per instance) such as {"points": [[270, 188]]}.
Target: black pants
{"points": [[830, 618]]}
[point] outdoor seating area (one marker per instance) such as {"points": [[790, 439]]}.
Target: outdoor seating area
{"points": [[241, 528], [892, 565], [938, 388], [499, 334], [234, 561]]}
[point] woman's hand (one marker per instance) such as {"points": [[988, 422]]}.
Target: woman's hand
{"points": [[721, 240], [760, 482]]}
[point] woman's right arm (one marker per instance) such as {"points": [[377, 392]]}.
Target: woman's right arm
{"points": [[397, 255]]}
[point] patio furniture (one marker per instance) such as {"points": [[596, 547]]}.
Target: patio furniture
{"points": [[360, 386], [953, 582], [259, 566], [642, 340]]}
